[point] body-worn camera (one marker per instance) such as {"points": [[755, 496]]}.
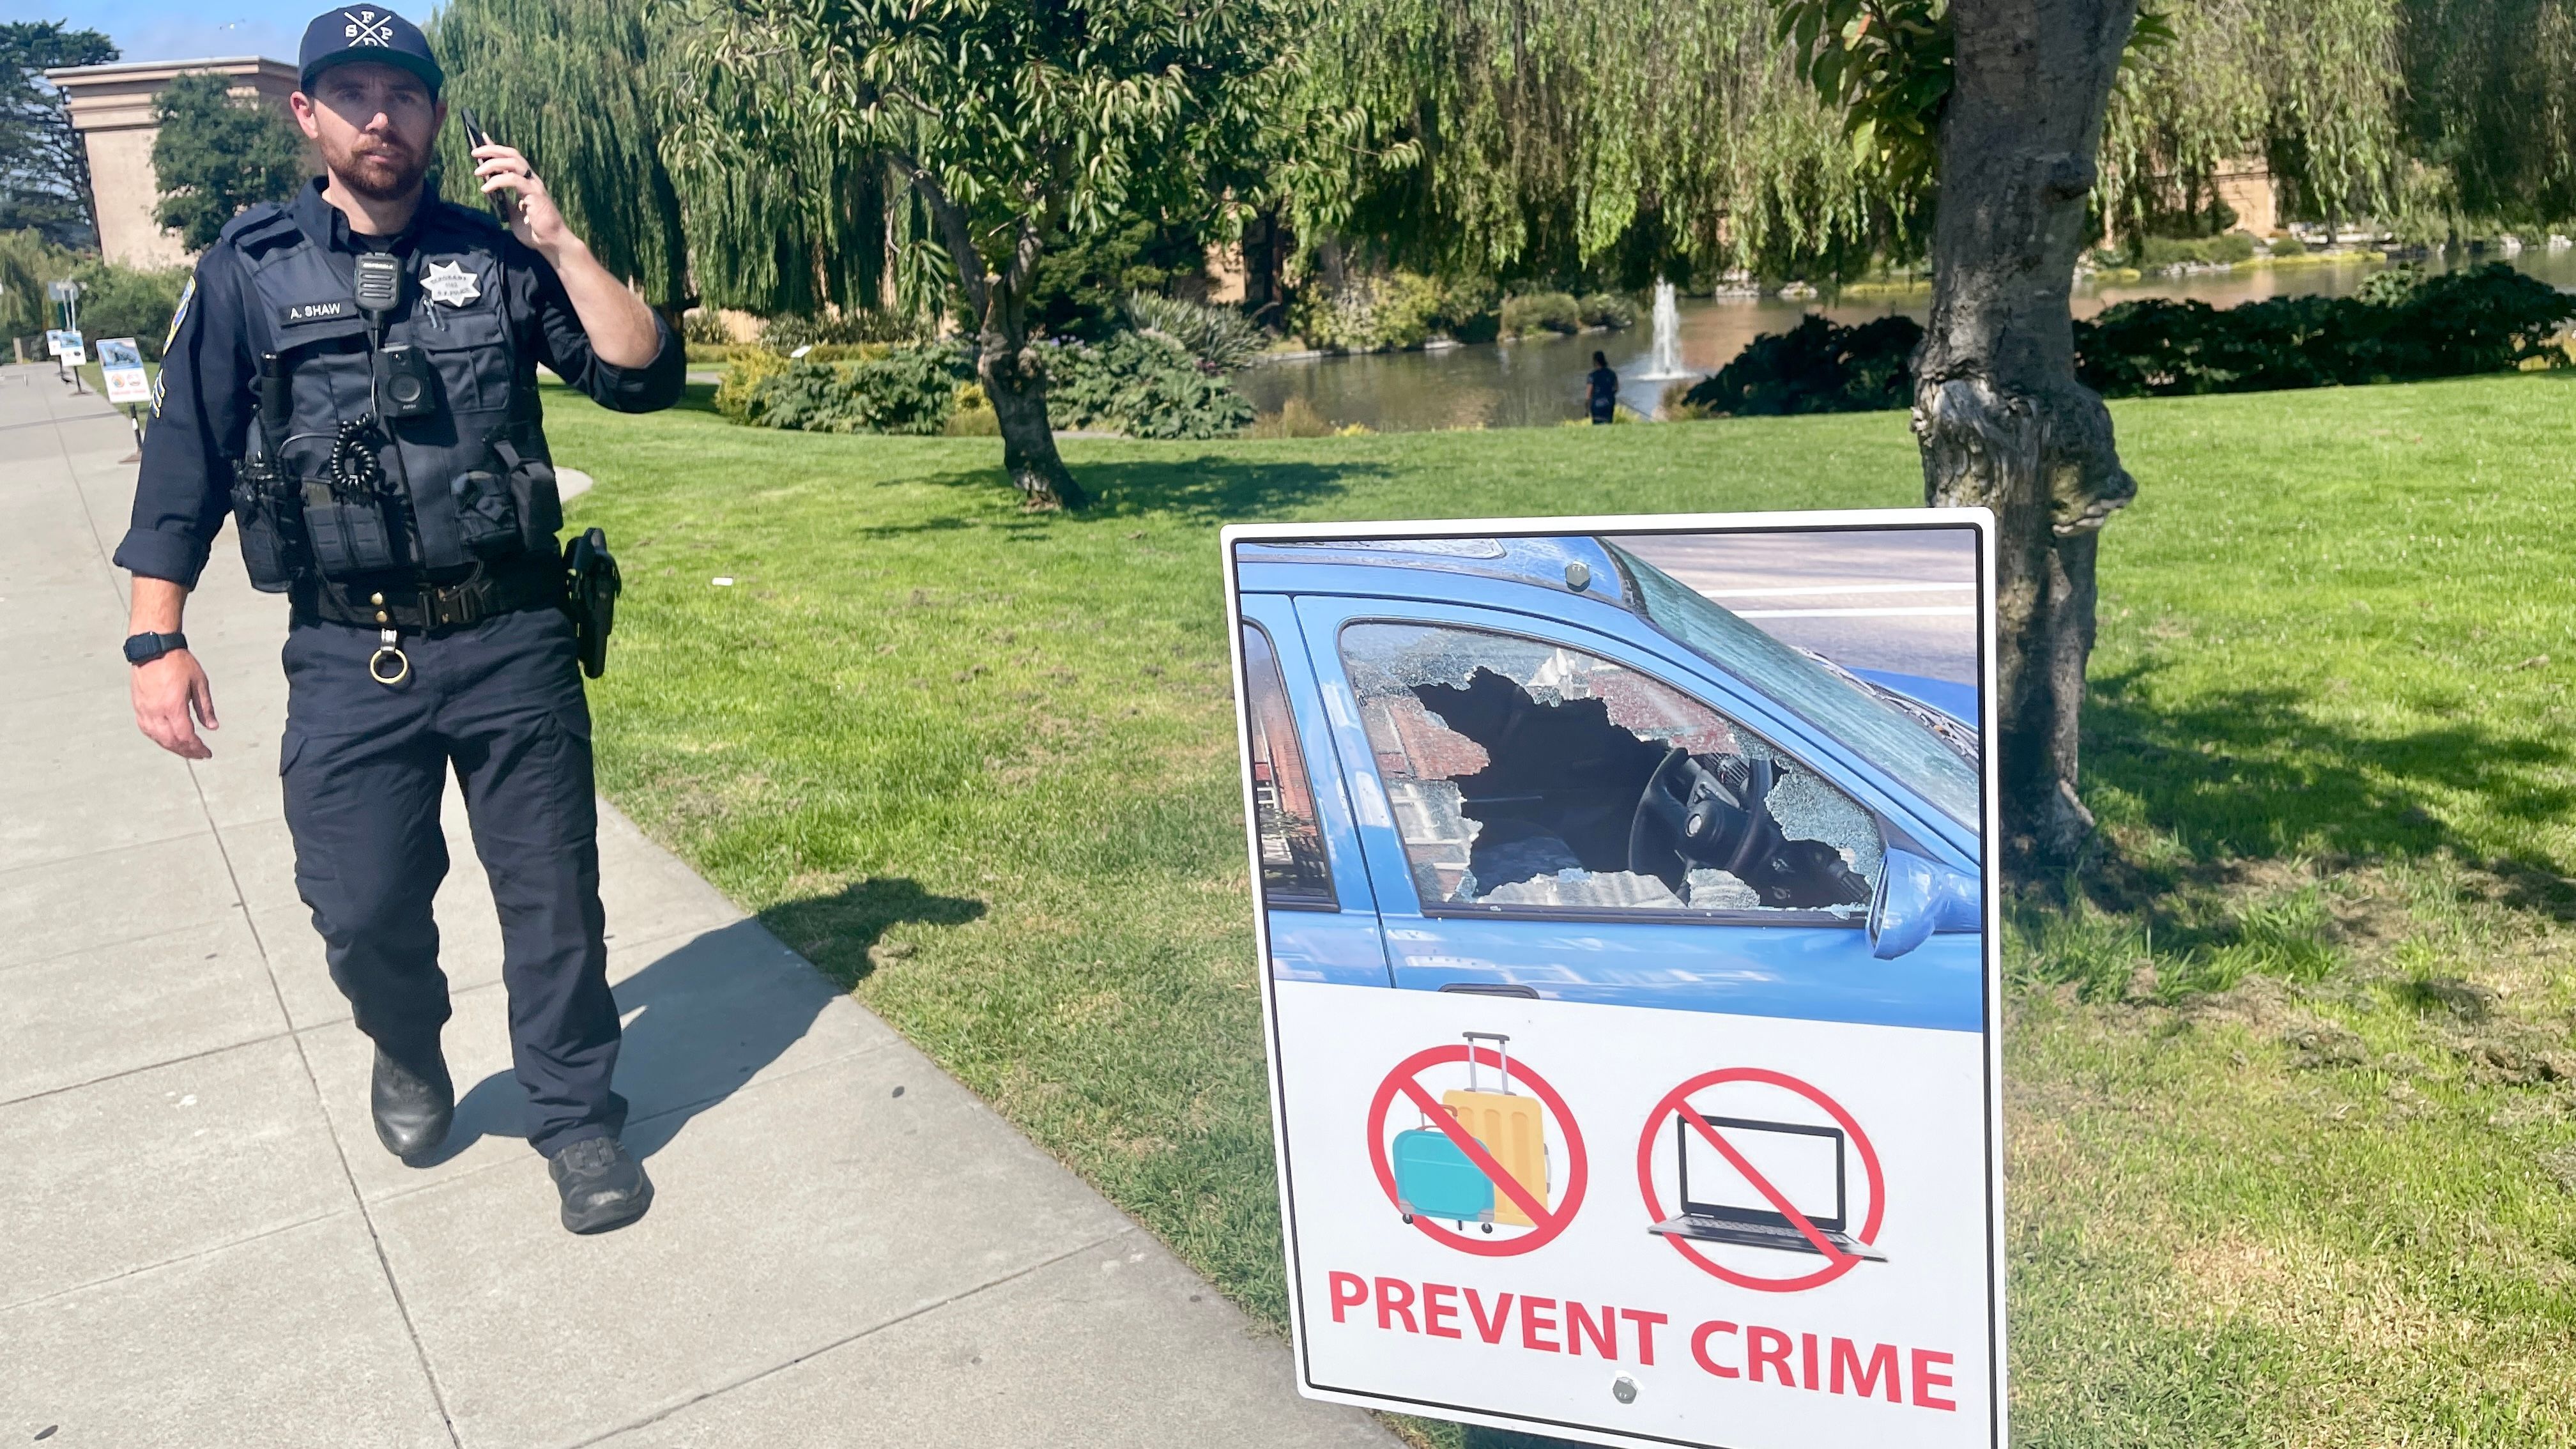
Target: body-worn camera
{"points": [[405, 382]]}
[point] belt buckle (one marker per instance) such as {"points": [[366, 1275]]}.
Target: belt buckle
{"points": [[452, 606]]}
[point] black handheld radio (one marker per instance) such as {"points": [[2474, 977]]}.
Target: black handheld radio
{"points": [[475, 135]]}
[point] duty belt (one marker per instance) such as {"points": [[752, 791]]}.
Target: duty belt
{"points": [[426, 608]]}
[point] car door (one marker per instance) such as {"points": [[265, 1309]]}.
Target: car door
{"points": [[1314, 889], [1500, 764]]}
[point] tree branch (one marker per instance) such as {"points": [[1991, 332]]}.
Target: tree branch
{"points": [[953, 228]]}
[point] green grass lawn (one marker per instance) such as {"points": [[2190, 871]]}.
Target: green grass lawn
{"points": [[2292, 1129]]}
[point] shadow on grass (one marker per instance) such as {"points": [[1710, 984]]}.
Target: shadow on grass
{"points": [[835, 931], [697, 397], [1207, 488], [2251, 772]]}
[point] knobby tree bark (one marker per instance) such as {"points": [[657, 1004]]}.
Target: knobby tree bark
{"points": [[1013, 375], [1998, 412]]}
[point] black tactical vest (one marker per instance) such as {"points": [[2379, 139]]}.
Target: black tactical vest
{"points": [[469, 483]]}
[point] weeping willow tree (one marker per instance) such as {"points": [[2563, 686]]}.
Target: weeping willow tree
{"points": [[1549, 137], [2312, 89], [572, 84], [2491, 106], [592, 91]]}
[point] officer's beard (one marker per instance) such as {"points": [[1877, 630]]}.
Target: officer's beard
{"points": [[380, 170]]}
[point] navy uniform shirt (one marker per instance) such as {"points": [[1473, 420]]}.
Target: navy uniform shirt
{"points": [[202, 407]]}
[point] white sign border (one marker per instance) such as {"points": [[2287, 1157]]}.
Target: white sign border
{"points": [[1818, 520]]}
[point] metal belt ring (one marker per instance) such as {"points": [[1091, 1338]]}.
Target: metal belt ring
{"points": [[390, 648]]}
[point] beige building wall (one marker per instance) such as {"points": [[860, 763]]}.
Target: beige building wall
{"points": [[2245, 185], [111, 107]]}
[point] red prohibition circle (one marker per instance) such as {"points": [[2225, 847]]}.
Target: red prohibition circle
{"points": [[1673, 1102], [1577, 1172]]}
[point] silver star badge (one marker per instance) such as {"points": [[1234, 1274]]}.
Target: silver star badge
{"points": [[449, 282]]}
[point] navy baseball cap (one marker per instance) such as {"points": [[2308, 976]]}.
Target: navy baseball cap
{"points": [[368, 33]]}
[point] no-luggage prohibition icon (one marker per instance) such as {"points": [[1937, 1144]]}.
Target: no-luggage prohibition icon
{"points": [[1778, 1187], [1481, 1156]]}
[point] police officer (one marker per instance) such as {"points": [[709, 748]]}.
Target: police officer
{"points": [[353, 377]]}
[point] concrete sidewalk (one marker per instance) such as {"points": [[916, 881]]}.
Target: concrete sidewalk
{"points": [[201, 1242]]}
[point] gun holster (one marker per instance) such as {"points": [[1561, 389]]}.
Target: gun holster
{"points": [[591, 586]]}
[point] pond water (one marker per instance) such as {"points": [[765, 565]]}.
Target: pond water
{"points": [[1538, 382]]}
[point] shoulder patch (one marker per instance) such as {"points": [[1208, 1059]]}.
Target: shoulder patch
{"points": [[170, 339], [179, 314]]}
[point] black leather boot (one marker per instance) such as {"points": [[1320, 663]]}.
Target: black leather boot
{"points": [[603, 1186], [413, 1112]]}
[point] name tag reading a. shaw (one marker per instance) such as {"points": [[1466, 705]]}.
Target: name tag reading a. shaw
{"points": [[296, 312]]}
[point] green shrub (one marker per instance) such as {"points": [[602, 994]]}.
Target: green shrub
{"points": [[738, 396], [701, 326], [1219, 337], [2401, 327], [905, 390], [1470, 309], [1608, 309], [1143, 386], [2288, 245], [1535, 312], [2390, 288], [1394, 312], [974, 417], [129, 302], [2224, 249], [1368, 313], [786, 334], [115, 301], [1816, 367]]}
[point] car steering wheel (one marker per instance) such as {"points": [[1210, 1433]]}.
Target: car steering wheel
{"points": [[1695, 807]]}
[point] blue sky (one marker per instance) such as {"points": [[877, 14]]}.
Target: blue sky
{"points": [[191, 29]]}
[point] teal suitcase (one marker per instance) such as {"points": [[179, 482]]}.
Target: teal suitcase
{"points": [[1434, 1179]]}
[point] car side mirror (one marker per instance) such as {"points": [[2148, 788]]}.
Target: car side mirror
{"points": [[1917, 897]]}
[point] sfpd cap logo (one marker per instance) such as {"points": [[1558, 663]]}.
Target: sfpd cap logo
{"points": [[368, 27]]}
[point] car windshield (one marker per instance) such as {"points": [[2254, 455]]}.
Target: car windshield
{"points": [[1880, 732]]}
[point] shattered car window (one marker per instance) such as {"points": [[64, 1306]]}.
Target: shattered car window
{"points": [[1526, 774]]}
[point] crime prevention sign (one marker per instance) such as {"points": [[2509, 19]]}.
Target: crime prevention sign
{"points": [[1629, 970]]}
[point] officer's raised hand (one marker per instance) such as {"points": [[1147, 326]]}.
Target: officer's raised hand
{"points": [[621, 327]]}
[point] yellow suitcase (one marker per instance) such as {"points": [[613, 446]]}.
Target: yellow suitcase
{"points": [[1507, 1123]]}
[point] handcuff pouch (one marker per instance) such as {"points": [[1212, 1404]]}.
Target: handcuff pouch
{"points": [[486, 518]]}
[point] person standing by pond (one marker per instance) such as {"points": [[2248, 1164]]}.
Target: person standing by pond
{"points": [[1605, 389]]}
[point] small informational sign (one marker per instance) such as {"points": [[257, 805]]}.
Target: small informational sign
{"points": [[61, 340], [1630, 970], [120, 364]]}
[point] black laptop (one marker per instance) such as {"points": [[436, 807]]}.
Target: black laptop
{"points": [[1805, 1165]]}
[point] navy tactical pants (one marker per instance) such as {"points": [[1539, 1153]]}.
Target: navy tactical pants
{"points": [[364, 767]]}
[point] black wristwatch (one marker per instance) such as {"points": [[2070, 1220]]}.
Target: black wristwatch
{"points": [[144, 648]]}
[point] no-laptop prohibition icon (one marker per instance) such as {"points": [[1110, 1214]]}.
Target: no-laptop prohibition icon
{"points": [[1460, 1175], [1727, 1198]]}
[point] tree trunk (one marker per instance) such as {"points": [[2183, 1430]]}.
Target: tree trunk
{"points": [[1998, 411], [1013, 379], [1018, 393]]}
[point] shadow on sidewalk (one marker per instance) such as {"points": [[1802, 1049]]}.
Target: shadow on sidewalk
{"points": [[708, 1016]]}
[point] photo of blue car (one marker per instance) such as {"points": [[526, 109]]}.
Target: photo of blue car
{"points": [[1545, 766]]}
